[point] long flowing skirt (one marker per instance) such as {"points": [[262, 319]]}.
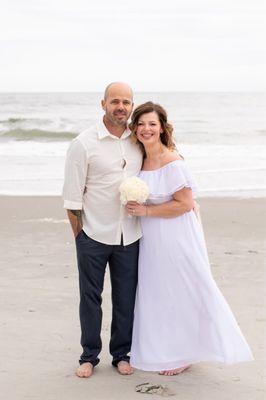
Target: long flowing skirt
{"points": [[181, 317]]}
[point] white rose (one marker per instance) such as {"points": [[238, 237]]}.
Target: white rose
{"points": [[133, 189]]}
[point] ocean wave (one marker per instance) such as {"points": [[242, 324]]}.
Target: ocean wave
{"points": [[36, 134], [17, 120], [194, 121], [233, 169], [12, 120]]}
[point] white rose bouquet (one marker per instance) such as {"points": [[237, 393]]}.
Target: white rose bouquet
{"points": [[133, 189]]}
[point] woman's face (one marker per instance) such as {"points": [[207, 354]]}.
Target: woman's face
{"points": [[149, 128]]}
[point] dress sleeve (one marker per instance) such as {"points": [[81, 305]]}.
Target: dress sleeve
{"points": [[75, 176], [180, 177]]}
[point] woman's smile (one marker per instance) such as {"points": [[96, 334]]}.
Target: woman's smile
{"points": [[146, 135], [148, 127]]}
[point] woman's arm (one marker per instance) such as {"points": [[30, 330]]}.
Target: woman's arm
{"points": [[182, 202]]}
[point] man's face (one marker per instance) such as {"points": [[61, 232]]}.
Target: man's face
{"points": [[118, 105]]}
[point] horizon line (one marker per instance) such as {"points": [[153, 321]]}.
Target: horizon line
{"points": [[135, 91]]}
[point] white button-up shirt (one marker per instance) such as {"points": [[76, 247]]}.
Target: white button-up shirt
{"points": [[96, 164]]}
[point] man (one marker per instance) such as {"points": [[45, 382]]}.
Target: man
{"points": [[98, 160]]}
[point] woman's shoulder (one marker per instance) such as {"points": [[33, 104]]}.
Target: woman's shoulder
{"points": [[168, 160], [171, 157]]}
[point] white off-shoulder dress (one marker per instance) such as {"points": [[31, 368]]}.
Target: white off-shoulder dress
{"points": [[181, 317]]}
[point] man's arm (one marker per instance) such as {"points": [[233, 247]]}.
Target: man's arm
{"points": [[74, 184], [75, 220]]}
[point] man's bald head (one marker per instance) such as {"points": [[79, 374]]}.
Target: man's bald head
{"points": [[120, 87], [117, 104]]}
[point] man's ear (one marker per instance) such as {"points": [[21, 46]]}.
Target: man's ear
{"points": [[103, 103]]}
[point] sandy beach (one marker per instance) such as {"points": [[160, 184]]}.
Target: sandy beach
{"points": [[40, 332]]}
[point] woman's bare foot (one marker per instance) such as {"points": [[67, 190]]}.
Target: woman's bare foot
{"points": [[171, 372], [124, 368], [84, 370]]}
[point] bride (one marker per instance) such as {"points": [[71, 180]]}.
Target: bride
{"points": [[181, 317]]}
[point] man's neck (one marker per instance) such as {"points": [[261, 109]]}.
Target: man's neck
{"points": [[115, 130]]}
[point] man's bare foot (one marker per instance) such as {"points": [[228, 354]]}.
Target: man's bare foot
{"points": [[84, 370], [171, 372], [124, 368]]}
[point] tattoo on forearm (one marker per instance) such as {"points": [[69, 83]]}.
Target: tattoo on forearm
{"points": [[77, 214]]}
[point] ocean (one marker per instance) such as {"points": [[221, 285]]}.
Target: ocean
{"points": [[222, 136]]}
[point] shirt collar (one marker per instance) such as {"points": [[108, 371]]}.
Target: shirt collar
{"points": [[103, 132]]}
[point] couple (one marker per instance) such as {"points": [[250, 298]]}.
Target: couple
{"points": [[159, 268]]}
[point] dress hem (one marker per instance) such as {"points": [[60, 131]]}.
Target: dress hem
{"points": [[183, 363]]}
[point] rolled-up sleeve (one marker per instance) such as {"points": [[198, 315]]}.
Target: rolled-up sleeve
{"points": [[76, 167]]}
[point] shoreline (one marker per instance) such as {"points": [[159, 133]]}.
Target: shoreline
{"points": [[39, 336]]}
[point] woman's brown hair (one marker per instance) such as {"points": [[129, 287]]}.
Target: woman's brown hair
{"points": [[166, 135]]}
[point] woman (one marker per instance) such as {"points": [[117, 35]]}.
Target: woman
{"points": [[181, 317]]}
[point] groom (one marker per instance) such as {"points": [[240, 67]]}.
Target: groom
{"points": [[97, 161]]}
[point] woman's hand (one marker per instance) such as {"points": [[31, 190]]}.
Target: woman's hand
{"points": [[136, 209]]}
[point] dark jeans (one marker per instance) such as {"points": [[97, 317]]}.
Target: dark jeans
{"points": [[123, 263]]}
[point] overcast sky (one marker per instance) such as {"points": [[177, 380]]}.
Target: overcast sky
{"points": [[177, 45]]}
